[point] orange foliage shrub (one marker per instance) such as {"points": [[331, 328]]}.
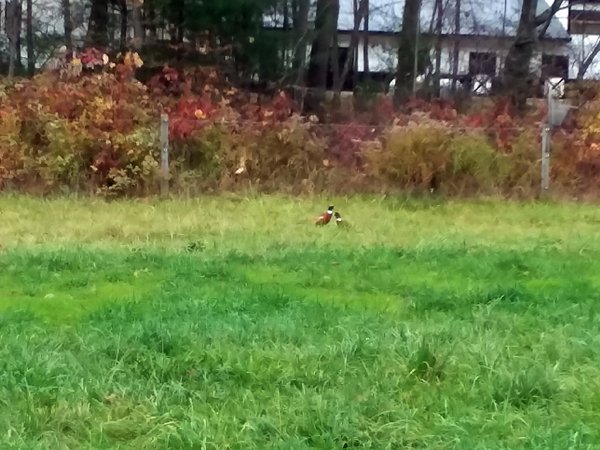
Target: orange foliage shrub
{"points": [[90, 125]]}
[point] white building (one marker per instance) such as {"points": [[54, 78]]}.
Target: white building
{"points": [[487, 30]]}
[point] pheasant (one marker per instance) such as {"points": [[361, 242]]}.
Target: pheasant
{"points": [[324, 218], [339, 222]]}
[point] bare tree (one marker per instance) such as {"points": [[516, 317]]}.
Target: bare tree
{"points": [[584, 57], [455, 50], [138, 26], [301, 37], [439, 17], [149, 18], [518, 79], [67, 23], [334, 57], [97, 33], [366, 40], [320, 53], [13, 30], [124, 22], [359, 15], [407, 47], [29, 39]]}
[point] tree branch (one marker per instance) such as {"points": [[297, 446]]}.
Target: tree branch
{"points": [[589, 59], [547, 15], [545, 18], [361, 13]]}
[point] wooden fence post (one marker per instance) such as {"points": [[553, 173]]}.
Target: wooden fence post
{"points": [[164, 155]]}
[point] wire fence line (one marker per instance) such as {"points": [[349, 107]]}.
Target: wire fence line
{"points": [[441, 124], [377, 131]]}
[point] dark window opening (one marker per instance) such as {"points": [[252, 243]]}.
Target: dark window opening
{"points": [[482, 63], [555, 66]]}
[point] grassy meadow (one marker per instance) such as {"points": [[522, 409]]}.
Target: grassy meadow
{"points": [[234, 323]]}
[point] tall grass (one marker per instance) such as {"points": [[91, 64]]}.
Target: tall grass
{"points": [[235, 323]]}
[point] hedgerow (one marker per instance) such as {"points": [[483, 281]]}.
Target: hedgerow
{"points": [[91, 126]]}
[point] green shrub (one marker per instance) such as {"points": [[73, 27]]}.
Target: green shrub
{"points": [[410, 156], [520, 168], [473, 166]]}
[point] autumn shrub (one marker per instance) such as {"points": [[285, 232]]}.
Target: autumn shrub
{"points": [[282, 156], [345, 141], [198, 162], [11, 150], [85, 127], [411, 156], [135, 165], [475, 165], [520, 166], [431, 155], [90, 125], [56, 155]]}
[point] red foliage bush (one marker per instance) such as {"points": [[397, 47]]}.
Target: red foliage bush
{"points": [[91, 125]]}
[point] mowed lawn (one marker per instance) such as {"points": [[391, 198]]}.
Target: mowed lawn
{"points": [[234, 323]]}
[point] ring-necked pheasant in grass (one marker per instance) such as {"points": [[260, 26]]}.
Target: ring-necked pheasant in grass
{"points": [[339, 222], [324, 218]]}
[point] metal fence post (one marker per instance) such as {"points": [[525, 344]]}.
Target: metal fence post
{"points": [[164, 155], [545, 160]]}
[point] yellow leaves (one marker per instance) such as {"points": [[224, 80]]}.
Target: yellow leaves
{"points": [[200, 115], [76, 62], [133, 59], [102, 104]]}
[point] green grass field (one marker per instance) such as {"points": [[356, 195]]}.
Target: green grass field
{"points": [[234, 323]]}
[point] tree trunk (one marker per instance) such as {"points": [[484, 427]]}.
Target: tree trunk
{"points": [[335, 69], [456, 49], [124, 25], [12, 31], [359, 15], [518, 79], [321, 45], [335, 54], [286, 15], [150, 20], [355, 80], [320, 53], [179, 25], [19, 22], [439, 10], [588, 60], [517, 74], [97, 34], [301, 37], [68, 24], [29, 40], [138, 26], [366, 69], [406, 51]]}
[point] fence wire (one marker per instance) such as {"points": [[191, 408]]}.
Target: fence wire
{"points": [[382, 128]]}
